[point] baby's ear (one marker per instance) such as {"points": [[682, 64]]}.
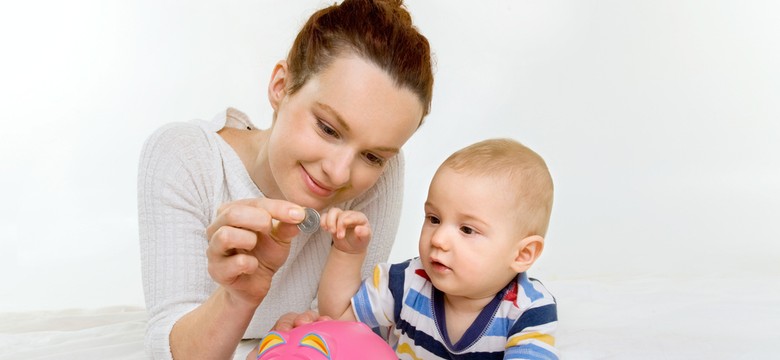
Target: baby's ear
{"points": [[528, 251]]}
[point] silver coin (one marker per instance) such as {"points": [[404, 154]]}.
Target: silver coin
{"points": [[311, 222]]}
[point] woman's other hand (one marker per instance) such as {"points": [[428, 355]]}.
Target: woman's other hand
{"points": [[289, 321], [292, 320]]}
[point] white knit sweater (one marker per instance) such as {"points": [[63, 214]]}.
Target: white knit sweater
{"points": [[186, 172]]}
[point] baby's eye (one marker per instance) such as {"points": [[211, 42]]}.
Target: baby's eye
{"points": [[467, 230], [327, 130], [432, 219]]}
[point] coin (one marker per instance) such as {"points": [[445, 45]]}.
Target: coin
{"points": [[311, 222]]}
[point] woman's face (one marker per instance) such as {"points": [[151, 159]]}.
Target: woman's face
{"points": [[332, 139]]}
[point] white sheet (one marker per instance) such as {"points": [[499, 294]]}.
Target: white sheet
{"points": [[108, 333], [680, 318], [606, 318]]}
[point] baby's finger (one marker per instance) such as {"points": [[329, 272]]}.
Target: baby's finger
{"points": [[330, 220], [363, 232], [352, 219]]}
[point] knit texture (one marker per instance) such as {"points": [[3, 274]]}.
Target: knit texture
{"points": [[186, 172]]}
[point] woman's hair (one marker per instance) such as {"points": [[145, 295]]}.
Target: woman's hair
{"points": [[523, 169], [379, 31]]}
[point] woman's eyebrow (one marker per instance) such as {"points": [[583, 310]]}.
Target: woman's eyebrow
{"points": [[333, 113], [346, 128]]}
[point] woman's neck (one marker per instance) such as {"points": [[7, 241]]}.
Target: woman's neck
{"points": [[250, 146]]}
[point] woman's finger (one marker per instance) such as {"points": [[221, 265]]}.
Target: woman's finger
{"points": [[305, 317], [228, 240], [292, 320], [285, 322], [256, 214], [281, 210], [226, 270]]}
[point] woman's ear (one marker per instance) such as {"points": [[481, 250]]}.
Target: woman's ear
{"points": [[528, 251], [277, 87]]}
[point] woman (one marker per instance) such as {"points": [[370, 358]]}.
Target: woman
{"points": [[219, 201]]}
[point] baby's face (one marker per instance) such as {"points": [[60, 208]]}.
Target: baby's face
{"points": [[470, 236]]}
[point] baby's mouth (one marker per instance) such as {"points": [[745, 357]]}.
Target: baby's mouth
{"points": [[438, 266]]}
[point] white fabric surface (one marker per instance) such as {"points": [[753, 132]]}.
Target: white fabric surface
{"points": [[604, 318]]}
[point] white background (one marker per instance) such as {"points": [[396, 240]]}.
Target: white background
{"points": [[659, 120]]}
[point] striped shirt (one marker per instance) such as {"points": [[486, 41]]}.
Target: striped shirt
{"points": [[402, 305]]}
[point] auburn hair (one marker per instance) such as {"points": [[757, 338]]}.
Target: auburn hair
{"points": [[380, 31]]}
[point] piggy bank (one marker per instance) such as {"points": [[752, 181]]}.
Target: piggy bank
{"points": [[329, 339]]}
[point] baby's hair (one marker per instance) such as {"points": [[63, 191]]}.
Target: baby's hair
{"points": [[379, 31], [521, 167]]}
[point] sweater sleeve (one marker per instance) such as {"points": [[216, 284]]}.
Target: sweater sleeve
{"points": [[175, 193]]}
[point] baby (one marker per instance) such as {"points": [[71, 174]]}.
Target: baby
{"points": [[467, 295]]}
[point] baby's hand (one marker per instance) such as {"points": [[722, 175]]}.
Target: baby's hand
{"points": [[350, 230]]}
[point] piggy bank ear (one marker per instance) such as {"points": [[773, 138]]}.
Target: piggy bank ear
{"points": [[316, 342], [270, 341]]}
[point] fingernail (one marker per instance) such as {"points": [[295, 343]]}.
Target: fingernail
{"points": [[296, 214]]}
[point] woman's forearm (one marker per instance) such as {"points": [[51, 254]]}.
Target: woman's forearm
{"points": [[213, 330]]}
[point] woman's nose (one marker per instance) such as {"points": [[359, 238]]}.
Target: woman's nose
{"points": [[337, 167]]}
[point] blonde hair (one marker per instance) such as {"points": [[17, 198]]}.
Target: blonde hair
{"points": [[522, 168]]}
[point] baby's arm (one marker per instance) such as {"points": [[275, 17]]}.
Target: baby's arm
{"points": [[341, 277]]}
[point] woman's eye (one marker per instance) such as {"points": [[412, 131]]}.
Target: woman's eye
{"points": [[466, 230], [327, 130], [432, 219], [374, 160]]}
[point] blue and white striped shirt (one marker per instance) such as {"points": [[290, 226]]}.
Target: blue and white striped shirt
{"points": [[400, 302]]}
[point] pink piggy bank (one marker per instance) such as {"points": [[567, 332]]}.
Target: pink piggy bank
{"points": [[329, 339]]}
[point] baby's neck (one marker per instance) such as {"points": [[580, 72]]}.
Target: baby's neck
{"points": [[460, 313]]}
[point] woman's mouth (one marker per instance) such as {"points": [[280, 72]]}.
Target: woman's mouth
{"points": [[315, 186]]}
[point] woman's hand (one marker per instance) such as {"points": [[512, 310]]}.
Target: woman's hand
{"points": [[248, 242], [350, 230], [292, 320]]}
